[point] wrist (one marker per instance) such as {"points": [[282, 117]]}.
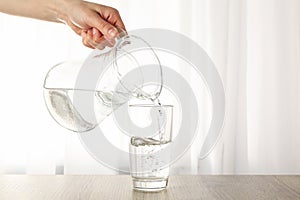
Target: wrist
{"points": [[60, 9]]}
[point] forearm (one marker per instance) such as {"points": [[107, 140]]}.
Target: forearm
{"points": [[94, 22], [49, 10]]}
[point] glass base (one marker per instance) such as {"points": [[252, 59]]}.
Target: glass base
{"points": [[150, 185]]}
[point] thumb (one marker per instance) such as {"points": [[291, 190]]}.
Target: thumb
{"points": [[107, 29]]}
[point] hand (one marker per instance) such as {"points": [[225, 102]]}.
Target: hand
{"points": [[95, 23]]}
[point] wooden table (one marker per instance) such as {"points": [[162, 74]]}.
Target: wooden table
{"points": [[118, 187]]}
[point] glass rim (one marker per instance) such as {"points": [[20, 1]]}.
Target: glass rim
{"points": [[150, 105]]}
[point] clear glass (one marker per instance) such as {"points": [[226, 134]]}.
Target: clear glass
{"points": [[149, 158], [79, 95]]}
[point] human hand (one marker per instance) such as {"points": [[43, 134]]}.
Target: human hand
{"points": [[96, 24]]}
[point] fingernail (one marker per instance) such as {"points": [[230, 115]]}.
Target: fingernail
{"points": [[94, 31], [112, 32], [90, 33]]}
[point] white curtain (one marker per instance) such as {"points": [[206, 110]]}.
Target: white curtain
{"points": [[254, 44]]}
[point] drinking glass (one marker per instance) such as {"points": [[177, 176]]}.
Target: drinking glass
{"points": [[150, 155]]}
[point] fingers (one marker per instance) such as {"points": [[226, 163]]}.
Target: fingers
{"points": [[108, 21], [97, 36], [85, 39], [99, 27], [107, 29], [91, 41], [92, 38], [112, 15], [116, 19], [100, 40]]}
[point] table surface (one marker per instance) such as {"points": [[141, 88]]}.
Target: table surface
{"points": [[119, 187]]}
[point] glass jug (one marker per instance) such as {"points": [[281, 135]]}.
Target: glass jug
{"points": [[81, 94]]}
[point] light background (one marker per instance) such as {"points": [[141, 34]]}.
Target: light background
{"points": [[254, 44]]}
